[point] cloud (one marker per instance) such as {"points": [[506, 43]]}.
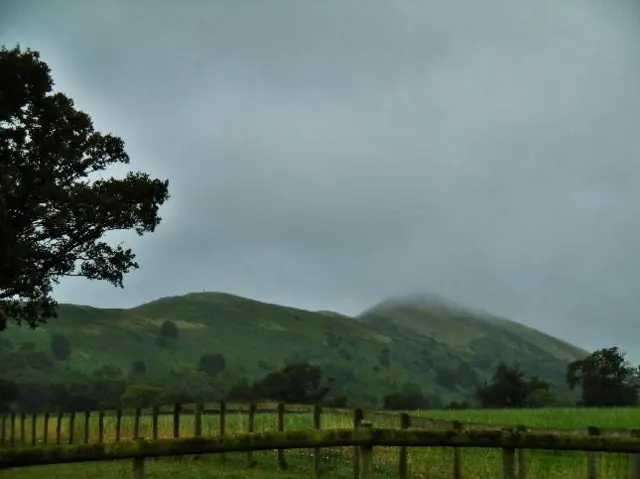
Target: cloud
{"points": [[330, 154]]}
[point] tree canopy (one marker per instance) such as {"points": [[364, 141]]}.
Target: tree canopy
{"points": [[606, 379], [52, 216], [511, 388]]}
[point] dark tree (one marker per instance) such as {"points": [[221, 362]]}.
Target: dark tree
{"points": [[9, 392], [410, 397], [169, 330], [52, 217], [296, 383], [242, 391], [511, 388], [606, 379], [212, 364], [60, 347]]}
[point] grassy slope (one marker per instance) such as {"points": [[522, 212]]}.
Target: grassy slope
{"points": [[256, 337]]}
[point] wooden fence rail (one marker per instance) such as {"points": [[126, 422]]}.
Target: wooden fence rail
{"points": [[364, 437], [17, 445]]}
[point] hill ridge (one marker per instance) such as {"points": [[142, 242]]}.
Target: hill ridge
{"points": [[369, 355]]}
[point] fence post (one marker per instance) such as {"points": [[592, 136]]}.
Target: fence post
{"points": [[405, 423], [357, 420], [72, 424], [282, 462], [317, 452], [457, 459], [508, 460], [34, 424], [87, 415], [138, 464], [45, 432], [522, 458], [118, 424], [251, 429], [634, 459], [136, 423], [223, 426], [3, 432], [59, 428], [197, 420], [592, 470], [154, 422], [138, 468], [13, 429], [177, 408], [101, 427], [366, 456], [23, 433]]}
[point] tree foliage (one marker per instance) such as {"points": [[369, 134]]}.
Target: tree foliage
{"points": [[52, 216], [169, 330], [212, 364], [511, 388], [409, 397], [606, 379], [296, 383], [60, 347]]}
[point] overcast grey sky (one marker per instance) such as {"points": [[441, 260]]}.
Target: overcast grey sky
{"points": [[329, 154]]}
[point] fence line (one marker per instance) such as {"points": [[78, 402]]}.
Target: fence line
{"points": [[364, 437], [513, 440]]}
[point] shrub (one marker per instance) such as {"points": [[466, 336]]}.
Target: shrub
{"points": [[409, 398], [169, 330], [212, 364], [242, 391], [60, 347]]}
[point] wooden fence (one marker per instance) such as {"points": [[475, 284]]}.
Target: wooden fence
{"points": [[17, 449]]}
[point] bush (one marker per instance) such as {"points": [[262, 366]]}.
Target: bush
{"points": [[169, 330], [242, 391], [410, 397], [296, 383], [60, 347], [212, 364], [339, 401]]}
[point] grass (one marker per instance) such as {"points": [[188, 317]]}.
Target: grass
{"points": [[337, 463]]}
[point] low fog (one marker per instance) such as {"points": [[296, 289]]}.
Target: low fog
{"points": [[328, 155]]}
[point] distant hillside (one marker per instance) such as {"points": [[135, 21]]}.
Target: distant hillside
{"points": [[454, 324], [370, 356]]}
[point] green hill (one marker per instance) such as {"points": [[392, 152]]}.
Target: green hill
{"points": [[401, 340]]}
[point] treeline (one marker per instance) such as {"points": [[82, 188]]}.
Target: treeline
{"points": [[604, 379], [109, 388]]}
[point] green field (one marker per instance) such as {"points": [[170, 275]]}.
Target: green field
{"points": [[423, 462]]}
